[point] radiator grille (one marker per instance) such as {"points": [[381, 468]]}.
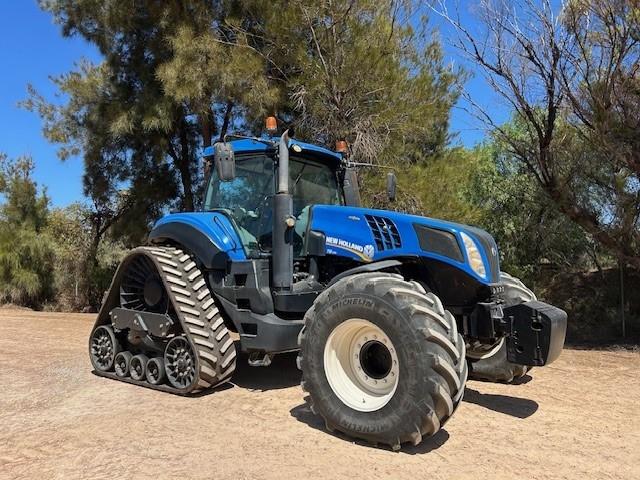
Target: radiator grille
{"points": [[385, 232]]}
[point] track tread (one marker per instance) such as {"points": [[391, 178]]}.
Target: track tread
{"points": [[197, 312]]}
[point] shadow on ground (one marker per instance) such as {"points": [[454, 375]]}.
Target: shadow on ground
{"points": [[282, 373], [303, 414], [513, 406]]}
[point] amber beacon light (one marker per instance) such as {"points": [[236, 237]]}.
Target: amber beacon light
{"points": [[341, 146], [271, 124]]}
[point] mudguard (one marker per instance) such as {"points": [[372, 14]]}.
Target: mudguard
{"points": [[210, 236]]}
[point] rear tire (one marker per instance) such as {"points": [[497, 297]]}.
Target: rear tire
{"points": [[393, 331], [496, 367]]}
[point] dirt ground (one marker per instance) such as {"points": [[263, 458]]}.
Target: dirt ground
{"points": [[578, 418]]}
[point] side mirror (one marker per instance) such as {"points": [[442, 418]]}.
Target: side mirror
{"points": [[391, 186], [225, 161]]}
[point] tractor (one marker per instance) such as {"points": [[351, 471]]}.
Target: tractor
{"points": [[390, 312]]}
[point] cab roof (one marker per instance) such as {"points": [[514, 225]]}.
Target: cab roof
{"points": [[247, 145]]}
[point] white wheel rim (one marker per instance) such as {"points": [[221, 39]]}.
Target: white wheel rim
{"points": [[361, 365]]}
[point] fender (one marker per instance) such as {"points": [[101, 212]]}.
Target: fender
{"points": [[209, 236], [367, 268]]}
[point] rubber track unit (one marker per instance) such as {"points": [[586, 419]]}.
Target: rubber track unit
{"points": [[196, 310], [430, 398], [497, 368]]}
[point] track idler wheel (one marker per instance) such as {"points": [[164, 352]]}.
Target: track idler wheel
{"points": [[155, 371], [180, 363], [138, 367], [104, 348], [122, 364]]}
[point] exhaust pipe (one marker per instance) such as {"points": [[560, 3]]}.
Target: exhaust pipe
{"points": [[282, 248]]}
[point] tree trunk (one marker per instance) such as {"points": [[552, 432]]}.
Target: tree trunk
{"points": [[184, 166], [226, 120]]}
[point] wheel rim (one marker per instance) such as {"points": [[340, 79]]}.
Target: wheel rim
{"points": [[154, 373], [180, 363], [361, 365], [142, 288], [103, 348], [122, 364], [137, 368]]}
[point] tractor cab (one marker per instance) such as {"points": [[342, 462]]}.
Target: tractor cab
{"points": [[315, 178]]}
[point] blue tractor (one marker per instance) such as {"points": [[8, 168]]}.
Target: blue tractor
{"points": [[389, 312]]}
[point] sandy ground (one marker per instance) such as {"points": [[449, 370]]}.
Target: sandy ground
{"points": [[578, 418]]}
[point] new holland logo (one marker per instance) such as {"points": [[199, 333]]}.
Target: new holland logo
{"points": [[369, 251], [365, 252]]}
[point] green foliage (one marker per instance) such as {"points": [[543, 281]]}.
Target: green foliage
{"points": [[360, 71], [79, 275], [26, 250], [531, 232], [437, 188]]}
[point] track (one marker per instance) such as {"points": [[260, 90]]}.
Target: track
{"points": [[195, 310]]}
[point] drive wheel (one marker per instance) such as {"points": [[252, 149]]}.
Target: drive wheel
{"points": [[155, 371], [138, 367], [104, 347], [490, 363], [382, 360], [122, 364], [180, 364]]}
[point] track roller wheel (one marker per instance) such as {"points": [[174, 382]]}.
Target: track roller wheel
{"points": [[104, 347], [155, 371], [180, 363], [138, 367], [122, 363]]}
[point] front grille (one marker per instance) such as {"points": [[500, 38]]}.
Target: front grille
{"points": [[385, 233], [438, 241]]}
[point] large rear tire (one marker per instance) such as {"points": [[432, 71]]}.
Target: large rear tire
{"points": [[494, 366], [382, 360]]}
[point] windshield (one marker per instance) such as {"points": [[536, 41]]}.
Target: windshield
{"points": [[249, 196]]}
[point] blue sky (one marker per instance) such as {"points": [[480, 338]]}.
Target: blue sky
{"points": [[32, 49]]}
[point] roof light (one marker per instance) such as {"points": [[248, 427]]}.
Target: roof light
{"points": [[271, 124], [341, 146]]}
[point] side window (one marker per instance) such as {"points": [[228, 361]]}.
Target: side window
{"points": [[312, 184]]}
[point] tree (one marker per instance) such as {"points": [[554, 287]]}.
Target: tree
{"points": [[155, 100], [26, 252], [529, 230], [361, 71], [572, 78]]}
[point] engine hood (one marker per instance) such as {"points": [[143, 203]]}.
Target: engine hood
{"points": [[368, 235]]}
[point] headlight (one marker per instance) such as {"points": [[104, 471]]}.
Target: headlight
{"points": [[473, 253]]}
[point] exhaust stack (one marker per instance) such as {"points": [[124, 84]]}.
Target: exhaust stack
{"points": [[282, 249]]}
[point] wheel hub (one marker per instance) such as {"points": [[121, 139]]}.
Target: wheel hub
{"points": [[102, 349], [153, 291], [375, 359], [179, 363]]}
